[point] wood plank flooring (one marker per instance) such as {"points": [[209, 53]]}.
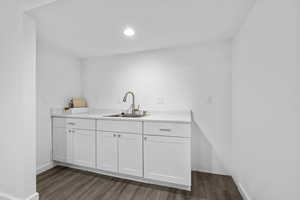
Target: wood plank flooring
{"points": [[62, 183]]}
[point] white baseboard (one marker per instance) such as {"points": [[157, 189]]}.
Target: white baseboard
{"points": [[211, 172], [7, 197], [35, 196], [45, 167], [242, 190]]}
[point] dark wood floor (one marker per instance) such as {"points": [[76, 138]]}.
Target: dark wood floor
{"points": [[61, 183]]}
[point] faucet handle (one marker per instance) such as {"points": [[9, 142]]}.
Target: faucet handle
{"points": [[138, 108]]}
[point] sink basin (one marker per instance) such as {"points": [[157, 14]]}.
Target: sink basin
{"points": [[135, 115]]}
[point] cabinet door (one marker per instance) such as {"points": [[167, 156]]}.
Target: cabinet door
{"points": [[59, 144], [107, 151], [130, 154], [69, 146], [84, 148], [167, 159]]}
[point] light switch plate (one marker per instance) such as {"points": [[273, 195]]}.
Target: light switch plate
{"points": [[160, 100]]}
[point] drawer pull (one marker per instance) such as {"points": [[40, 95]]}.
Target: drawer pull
{"points": [[71, 123], [165, 130]]}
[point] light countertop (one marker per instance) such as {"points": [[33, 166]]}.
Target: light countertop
{"points": [[158, 116]]}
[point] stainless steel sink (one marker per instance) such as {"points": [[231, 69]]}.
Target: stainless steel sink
{"points": [[128, 115]]}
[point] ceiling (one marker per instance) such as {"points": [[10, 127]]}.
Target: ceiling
{"points": [[89, 28]]}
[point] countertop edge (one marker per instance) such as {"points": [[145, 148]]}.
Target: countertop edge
{"points": [[122, 119]]}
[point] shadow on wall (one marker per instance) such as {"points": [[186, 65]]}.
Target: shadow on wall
{"points": [[204, 155]]}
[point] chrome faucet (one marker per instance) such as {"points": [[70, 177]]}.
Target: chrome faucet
{"points": [[133, 101]]}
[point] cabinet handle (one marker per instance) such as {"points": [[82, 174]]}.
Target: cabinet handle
{"points": [[165, 129], [71, 123], [114, 135], [145, 138], [119, 135]]}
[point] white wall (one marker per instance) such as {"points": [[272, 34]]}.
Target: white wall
{"points": [[196, 77], [58, 79], [266, 102], [17, 104]]}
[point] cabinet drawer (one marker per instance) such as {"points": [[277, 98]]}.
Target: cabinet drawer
{"points": [[58, 122], [119, 126], [167, 129], [85, 124]]}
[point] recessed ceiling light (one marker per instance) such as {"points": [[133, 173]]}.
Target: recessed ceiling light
{"points": [[129, 32]]}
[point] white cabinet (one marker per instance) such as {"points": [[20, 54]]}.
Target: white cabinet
{"points": [[167, 159], [59, 122], [157, 151], [84, 148], [130, 154], [69, 146], [60, 146], [120, 126], [120, 152], [72, 145], [107, 151], [62, 140], [167, 129], [83, 124]]}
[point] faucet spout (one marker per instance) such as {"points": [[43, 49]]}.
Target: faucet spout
{"points": [[133, 100]]}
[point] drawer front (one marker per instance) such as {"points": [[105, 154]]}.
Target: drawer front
{"points": [[58, 122], [119, 126], [84, 124], [167, 129]]}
